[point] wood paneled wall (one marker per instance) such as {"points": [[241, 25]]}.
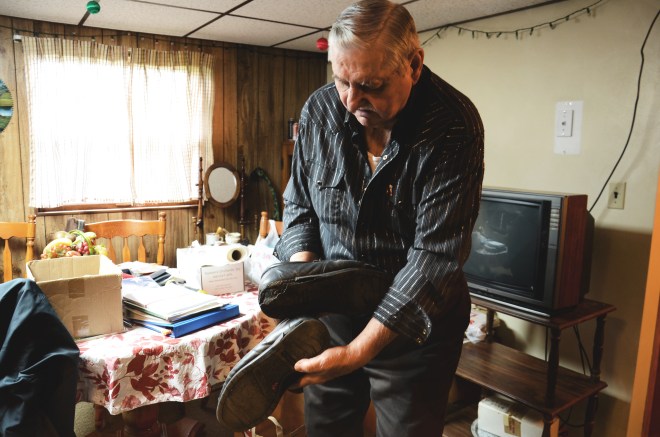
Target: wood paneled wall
{"points": [[257, 90]]}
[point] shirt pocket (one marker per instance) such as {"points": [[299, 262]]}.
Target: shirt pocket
{"points": [[329, 193], [401, 217]]}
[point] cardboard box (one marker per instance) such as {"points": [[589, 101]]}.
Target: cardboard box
{"points": [[85, 292], [214, 269], [505, 418]]}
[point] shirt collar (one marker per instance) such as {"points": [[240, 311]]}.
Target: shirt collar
{"points": [[411, 114]]}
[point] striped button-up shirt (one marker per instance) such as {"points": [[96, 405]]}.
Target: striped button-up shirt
{"points": [[412, 216]]}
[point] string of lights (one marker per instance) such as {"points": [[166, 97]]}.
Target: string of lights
{"points": [[520, 32]]}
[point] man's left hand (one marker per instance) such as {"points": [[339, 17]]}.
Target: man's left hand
{"points": [[342, 360]]}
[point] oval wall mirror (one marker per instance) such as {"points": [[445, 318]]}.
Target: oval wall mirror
{"points": [[6, 106], [222, 184]]}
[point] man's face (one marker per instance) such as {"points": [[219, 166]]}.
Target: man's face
{"points": [[370, 89]]}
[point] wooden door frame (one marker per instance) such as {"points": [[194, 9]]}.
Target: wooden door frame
{"points": [[644, 417]]}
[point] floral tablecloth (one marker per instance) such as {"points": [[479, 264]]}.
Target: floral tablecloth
{"points": [[139, 367]]}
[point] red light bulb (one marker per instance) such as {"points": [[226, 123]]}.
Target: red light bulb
{"points": [[322, 44]]}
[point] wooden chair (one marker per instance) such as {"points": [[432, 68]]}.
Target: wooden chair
{"points": [[9, 230], [110, 229], [131, 228], [264, 225]]}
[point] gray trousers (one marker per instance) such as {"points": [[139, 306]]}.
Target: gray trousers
{"points": [[408, 383]]}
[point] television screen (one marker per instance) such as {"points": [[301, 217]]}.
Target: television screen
{"points": [[507, 245]]}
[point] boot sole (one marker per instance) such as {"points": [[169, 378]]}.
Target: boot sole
{"points": [[252, 394]]}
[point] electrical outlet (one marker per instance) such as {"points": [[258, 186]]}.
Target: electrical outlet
{"points": [[617, 195]]}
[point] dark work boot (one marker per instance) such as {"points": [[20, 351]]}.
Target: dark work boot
{"points": [[255, 385], [293, 289]]}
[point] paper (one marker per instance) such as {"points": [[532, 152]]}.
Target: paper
{"points": [[138, 268], [192, 258], [169, 302], [218, 280], [232, 253], [261, 254]]}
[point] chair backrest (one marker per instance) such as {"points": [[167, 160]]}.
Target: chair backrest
{"points": [[264, 225], [9, 230], [131, 228]]}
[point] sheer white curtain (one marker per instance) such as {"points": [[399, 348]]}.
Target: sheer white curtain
{"points": [[110, 124]]}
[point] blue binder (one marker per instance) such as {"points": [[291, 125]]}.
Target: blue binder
{"points": [[191, 324]]}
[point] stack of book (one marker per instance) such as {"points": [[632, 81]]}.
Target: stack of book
{"points": [[171, 309]]}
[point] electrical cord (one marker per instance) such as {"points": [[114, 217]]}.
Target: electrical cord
{"points": [[567, 420], [634, 116], [584, 356]]}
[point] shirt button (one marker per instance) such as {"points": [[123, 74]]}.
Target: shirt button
{"points": [[384, 157], [318, 183]]}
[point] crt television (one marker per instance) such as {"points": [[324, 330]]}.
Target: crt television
{"points": [[530, 250]]}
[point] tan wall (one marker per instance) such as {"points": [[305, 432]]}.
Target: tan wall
{"points": [[515, 84], [257, 90]]}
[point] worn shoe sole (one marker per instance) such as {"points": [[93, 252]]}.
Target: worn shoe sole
{"points": [[354, 290], [256, 384]]}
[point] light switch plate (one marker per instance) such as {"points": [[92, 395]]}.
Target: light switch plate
{"points": [[568, 127]]}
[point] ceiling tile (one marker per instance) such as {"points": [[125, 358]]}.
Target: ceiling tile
{"points": [[315, 13], [307, 43], [430, 14], [148, 18], [249, 31], [220, 6], [57, 11]]}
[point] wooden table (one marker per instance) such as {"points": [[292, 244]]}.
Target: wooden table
{"points": [[130, 373]]}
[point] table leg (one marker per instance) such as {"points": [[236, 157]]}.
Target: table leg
{"points": [[590, 415], [490, 325], [547, 424], [599, 340], [553, 365], [143, 422]]}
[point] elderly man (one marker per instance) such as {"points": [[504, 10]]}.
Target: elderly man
{"points": [[387, 170]]}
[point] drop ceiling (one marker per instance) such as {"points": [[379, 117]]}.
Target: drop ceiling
{"points": [[289, 24]]}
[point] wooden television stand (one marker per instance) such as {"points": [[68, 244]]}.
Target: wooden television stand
{"points": [[541, 385]]}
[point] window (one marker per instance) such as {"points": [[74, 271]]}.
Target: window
{"points": [[115, 125]]}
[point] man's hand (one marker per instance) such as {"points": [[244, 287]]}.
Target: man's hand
{"points": [[342, 360]]}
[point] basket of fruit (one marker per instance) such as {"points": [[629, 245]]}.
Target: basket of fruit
{"points": [[73, 243]]}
